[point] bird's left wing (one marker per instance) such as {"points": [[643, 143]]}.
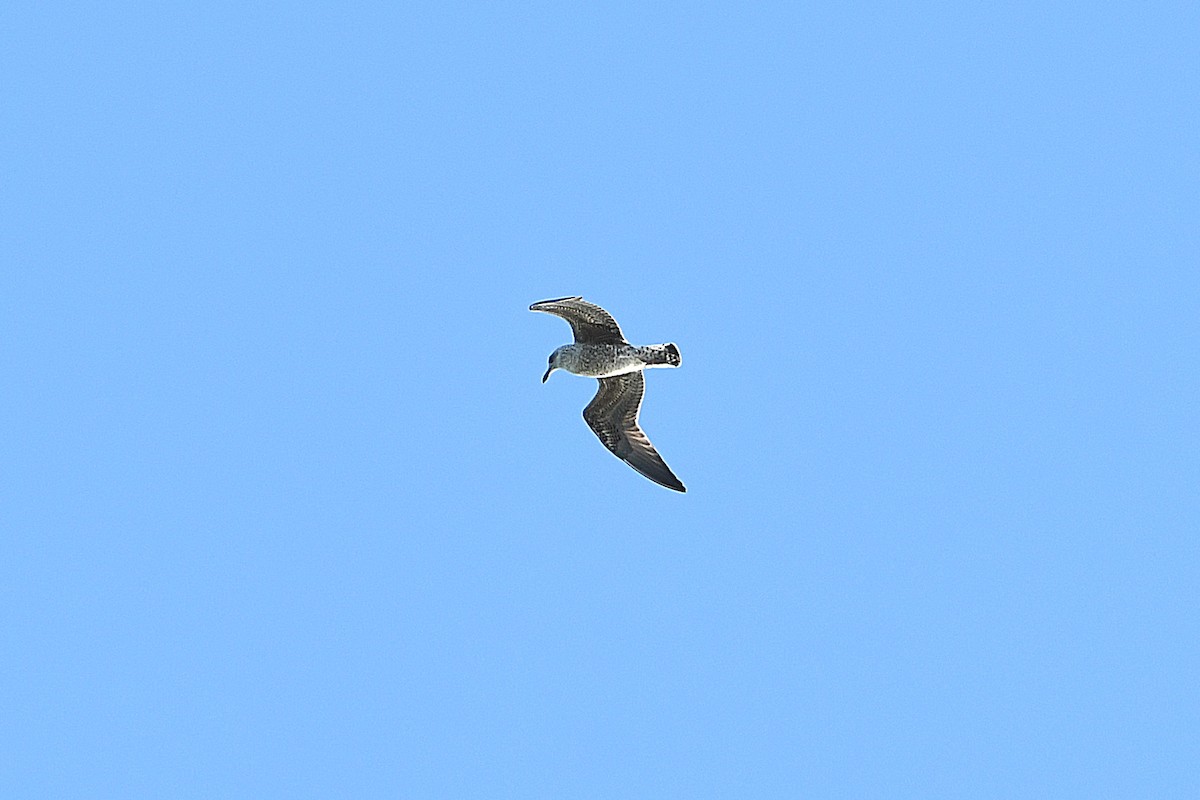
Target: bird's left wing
{"points": [[590, 323]]}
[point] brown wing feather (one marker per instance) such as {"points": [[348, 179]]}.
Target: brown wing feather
{"points": [[589, 322], [613, 413]]}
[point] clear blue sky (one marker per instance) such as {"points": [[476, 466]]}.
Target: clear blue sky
{"points": [[287, 512]]}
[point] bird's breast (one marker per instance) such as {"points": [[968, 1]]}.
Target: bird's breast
{"points": [[600, 360]]}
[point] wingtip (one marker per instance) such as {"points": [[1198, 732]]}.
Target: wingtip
{"points": [[666, 481], [534, 306], [663, 481]]}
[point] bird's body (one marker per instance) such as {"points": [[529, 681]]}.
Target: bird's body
{"points": [[606, 360], [600, 351]]}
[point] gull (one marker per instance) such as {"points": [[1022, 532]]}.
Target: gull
{"points": [[600, 351]]}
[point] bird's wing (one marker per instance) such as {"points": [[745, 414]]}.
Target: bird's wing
{"points": [[590, 323], [613, 414]]}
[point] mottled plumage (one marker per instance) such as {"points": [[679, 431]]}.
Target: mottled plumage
{"points": [[600, 351]]}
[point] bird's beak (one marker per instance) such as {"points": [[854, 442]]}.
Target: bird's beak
{"points": [[547, 375]]}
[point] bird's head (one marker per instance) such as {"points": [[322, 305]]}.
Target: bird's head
{"points": [[552, 364]]}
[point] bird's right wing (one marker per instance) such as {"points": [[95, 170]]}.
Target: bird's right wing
{"points": [[613, 413], [590, 323]]}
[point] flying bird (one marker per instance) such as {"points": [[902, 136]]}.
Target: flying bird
{"points": [[600, 351]]}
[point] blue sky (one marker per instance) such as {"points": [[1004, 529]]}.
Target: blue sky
{"points": [[288, 513]]}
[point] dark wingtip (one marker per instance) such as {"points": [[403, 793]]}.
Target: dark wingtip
{"points": [[534, 306], [667, 481]]}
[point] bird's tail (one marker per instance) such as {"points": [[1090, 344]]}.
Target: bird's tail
{"points": [[661, 355]]}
